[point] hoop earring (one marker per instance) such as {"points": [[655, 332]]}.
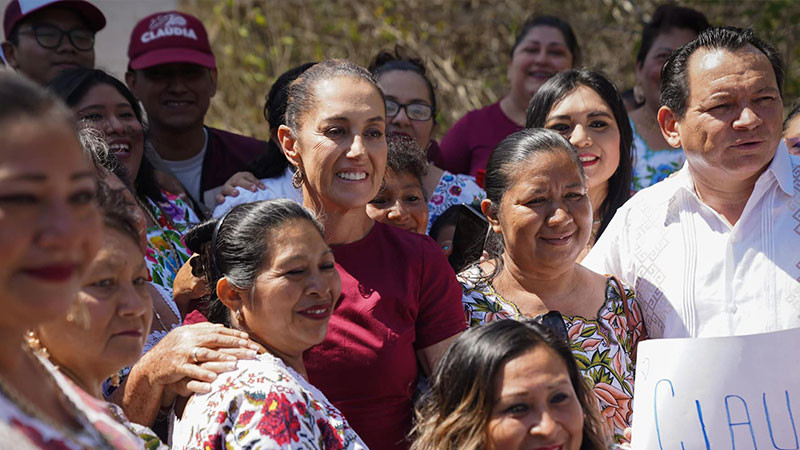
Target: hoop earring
{"points": [[297, 178]]}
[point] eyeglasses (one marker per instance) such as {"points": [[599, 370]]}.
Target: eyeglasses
{"points": [[554, 322], [50, 36], [415, 111]]}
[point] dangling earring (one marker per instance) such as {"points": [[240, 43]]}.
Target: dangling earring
{"points": [[638, 95], [114, 379], [35, 344], [297, 178]]}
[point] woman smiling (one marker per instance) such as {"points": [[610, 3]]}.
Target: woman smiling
{"points": [[49, 234], [271, 274], [540, 217], [586, 108], [400, 303]]}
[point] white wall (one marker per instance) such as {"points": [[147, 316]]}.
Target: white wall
{"points": [[111, 43]]}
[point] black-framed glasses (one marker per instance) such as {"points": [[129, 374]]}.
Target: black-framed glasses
{"points": [[50, 36], [554, 322], [415, 111]]}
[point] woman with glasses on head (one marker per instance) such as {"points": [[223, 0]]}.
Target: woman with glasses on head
{"points": [[540, 220], [411, 110]]}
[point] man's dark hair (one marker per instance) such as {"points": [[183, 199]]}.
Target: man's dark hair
{"points": [[674, 74]]}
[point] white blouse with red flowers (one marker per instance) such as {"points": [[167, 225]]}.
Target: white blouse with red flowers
{"points": [[263, 404]]}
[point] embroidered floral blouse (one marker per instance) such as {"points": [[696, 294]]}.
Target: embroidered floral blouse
{"points": [[652, 166], [266, 405], [99, 429], [166, 251], [453, 190], [602, 346]]}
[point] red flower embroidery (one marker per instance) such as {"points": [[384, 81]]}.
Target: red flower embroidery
{"points": [[244, 418], [328, 437], [455, 190], [301, 408], [214, 442], [221, 416], [278, 420]]}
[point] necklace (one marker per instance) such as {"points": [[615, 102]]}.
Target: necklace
{"points": [[34, 412], [158, 318]]}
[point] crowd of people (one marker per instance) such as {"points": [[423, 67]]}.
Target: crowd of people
{"points": [[351, 283]]}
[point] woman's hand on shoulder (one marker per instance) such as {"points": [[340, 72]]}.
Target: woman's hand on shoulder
{"points": [[244, 180], [190, 357]]}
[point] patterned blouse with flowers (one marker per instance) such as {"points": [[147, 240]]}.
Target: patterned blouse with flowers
{"points": [[263, 404], [652, 166], [98, 428], [166, 251], [602, 346], [453, 190]]}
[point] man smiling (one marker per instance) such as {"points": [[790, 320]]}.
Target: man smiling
{"points": [[42, 38], [715, 249], [173, 72]]}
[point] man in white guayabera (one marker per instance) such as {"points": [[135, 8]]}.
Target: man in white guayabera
{"points": [[715, 249]]}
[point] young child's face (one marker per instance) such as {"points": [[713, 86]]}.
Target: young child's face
{"points": [[400, 203]]}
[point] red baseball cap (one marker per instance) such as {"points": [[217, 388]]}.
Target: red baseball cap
{"points": [[20, 9], [169, 37]]}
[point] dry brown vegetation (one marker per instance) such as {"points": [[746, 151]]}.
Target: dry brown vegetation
{"points": [[465, 43]]}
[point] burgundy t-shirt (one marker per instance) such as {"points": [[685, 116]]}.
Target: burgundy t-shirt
{"points": [[468, 144], [226, 154], [399, 295]]}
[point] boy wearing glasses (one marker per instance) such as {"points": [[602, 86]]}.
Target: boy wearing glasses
{"points": [[42, 37]]}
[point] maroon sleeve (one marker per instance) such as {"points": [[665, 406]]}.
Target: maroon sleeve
{"points": [[441, 314], [455, 153]]}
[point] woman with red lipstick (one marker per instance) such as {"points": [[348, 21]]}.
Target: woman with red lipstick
{"points": [[107, 326], [540, 219], [49, 234], [411, 110], [271, 274], [508, 385], [400, 304], [545, 46], [586, 108]]}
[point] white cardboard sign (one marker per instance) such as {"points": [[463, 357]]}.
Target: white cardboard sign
{"points": [[739, 392]]}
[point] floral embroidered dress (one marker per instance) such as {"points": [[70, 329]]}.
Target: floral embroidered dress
{"points": [[98, 428], [166, 251], [652, 166], [453, 190], [263, 404], [602, 346]]}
